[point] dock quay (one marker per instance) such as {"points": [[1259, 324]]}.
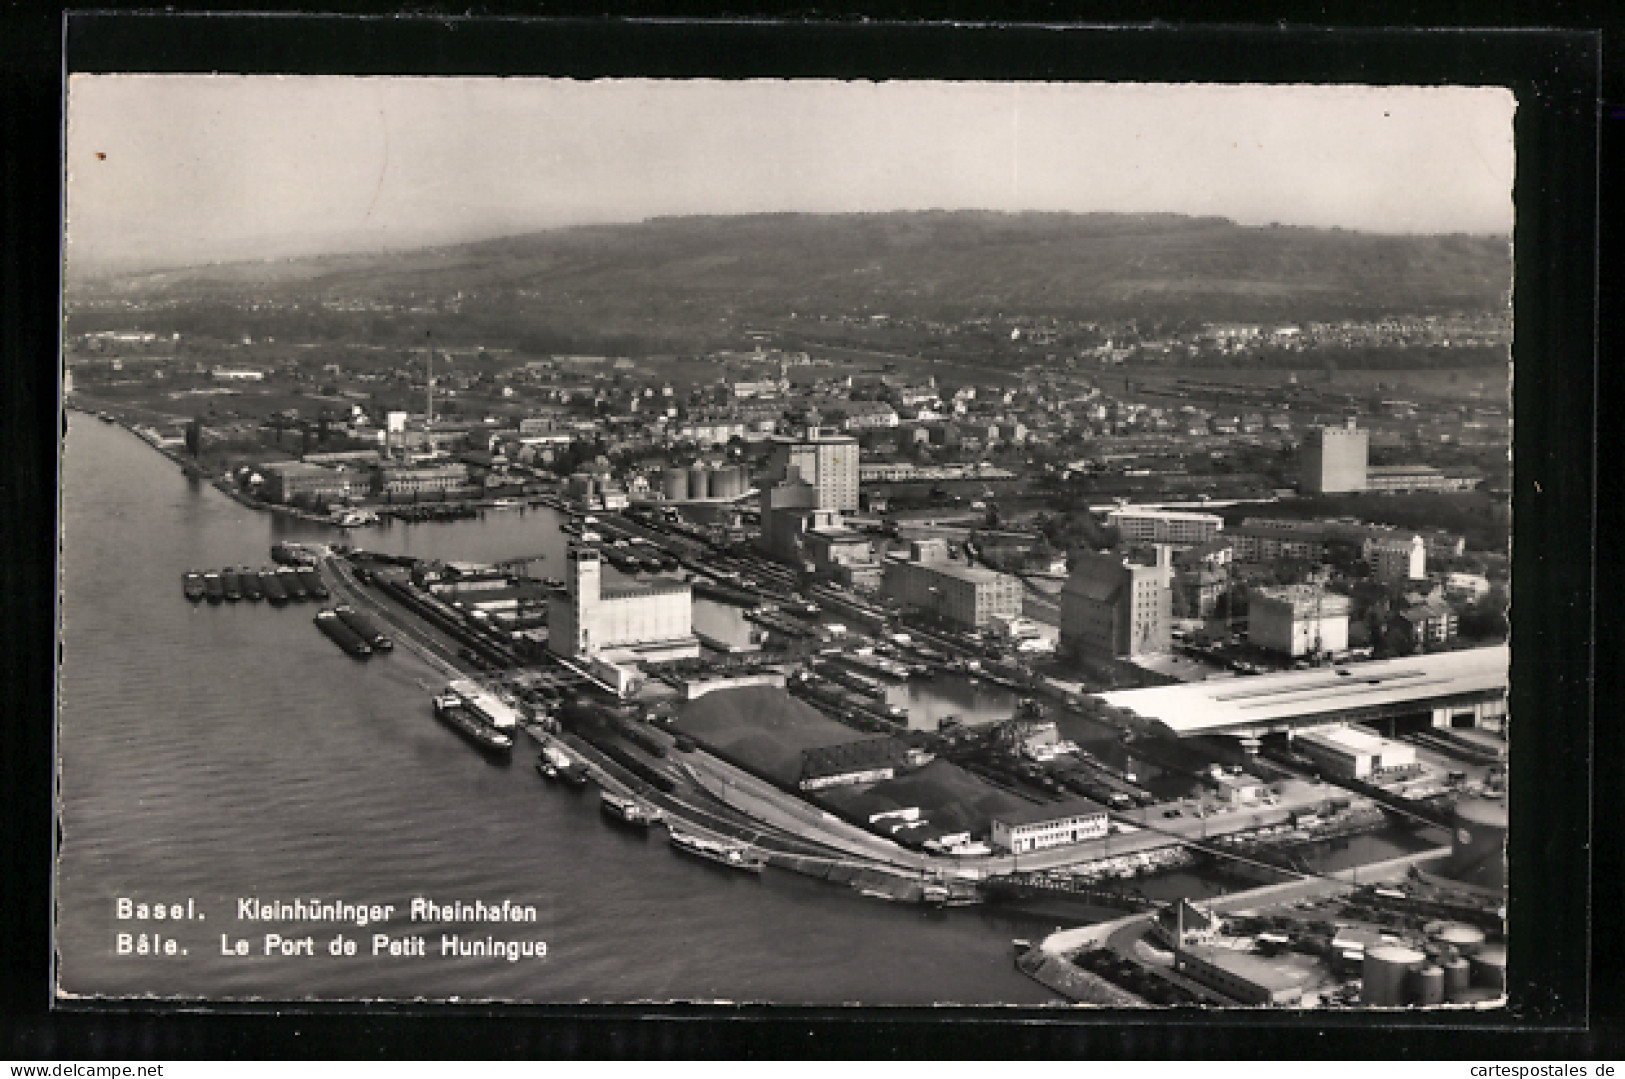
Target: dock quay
{"points": [[781, 623]]}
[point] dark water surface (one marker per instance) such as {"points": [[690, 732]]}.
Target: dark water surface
{"points": [[217, 753]]}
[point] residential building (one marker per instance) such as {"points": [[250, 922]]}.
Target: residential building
{"points": [[1432, 621], [1398, 557], [1115, 608], [1143, 524]]}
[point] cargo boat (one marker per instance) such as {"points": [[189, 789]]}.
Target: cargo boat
{"points": [[342, 635], [290, 582], [192, 585], [291, 554], [311, 578], [213, 588], [231, 584], [557, 764], [271, 585], [249, 581], [734, 855], [449, 709], [628, 811], [364, 628]]}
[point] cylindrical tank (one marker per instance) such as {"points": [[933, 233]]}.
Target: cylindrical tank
{"points": [[1459, 935], [728, 482], [1478, 847], [674, 483], [1426, 985], [1489, 967], [1457, 977], [1384, 973], [699, 482]]}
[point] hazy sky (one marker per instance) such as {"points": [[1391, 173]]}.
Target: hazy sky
{"points": [[184, 168]]}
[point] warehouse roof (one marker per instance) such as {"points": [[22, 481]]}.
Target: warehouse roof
{"points": [[1218, 705]]}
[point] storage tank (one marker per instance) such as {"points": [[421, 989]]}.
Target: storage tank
{"points": [[1384, 973], [728, 482], [1489, 967], [1457, 977], [1426, 985], [674, 484], [1460, 936], [699, 482], [1478, 846]]}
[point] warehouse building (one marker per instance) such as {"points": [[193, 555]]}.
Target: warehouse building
{"points": [[1298, 620], [1349, 753], [1114, 608], [1334, 459], [651, 621], [1466, 688], [970, 596]]}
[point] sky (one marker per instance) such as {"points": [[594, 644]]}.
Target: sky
{"points": [[186, 169]]}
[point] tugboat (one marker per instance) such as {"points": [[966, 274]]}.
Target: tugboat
{"points": [[628, 811], [450, 710], [192, 585], [733, 855]]}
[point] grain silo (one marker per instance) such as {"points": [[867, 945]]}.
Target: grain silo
{"points": [[1384, 974], [1425, 985], [1478, 847], [1489, 967], [1457, 977], [674, 484], [728, 482], [699, 482]]}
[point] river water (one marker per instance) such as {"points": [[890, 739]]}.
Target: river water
{"points": [[215, 753]]}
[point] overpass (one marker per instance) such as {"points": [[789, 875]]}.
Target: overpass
{"points": [[1438, 684]]}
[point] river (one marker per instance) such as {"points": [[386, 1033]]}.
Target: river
{"points": [[215, 753]]}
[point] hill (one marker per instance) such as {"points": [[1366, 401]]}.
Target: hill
{"points": [[669, 278]]}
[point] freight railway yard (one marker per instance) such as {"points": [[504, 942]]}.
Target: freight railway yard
{"points": [[792, 757]]}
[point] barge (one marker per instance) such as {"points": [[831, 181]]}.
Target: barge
{"points": [[271, 585], [231, 585], [733, 855], [311, 578], [291, 583], [192, 586], [248, 581], [450, 710], [213, 588], [342, 635], [364, 628]]}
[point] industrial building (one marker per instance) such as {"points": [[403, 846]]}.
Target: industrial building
{"points": [[1466, 688], [1057, 824], [1407, 479], [1114, 608], [286, 481], [970, 596], [1351, 753], [1144, 524], [868, 760], [825, 459], [1298, 620], [651, 621], [1334, 459]]}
